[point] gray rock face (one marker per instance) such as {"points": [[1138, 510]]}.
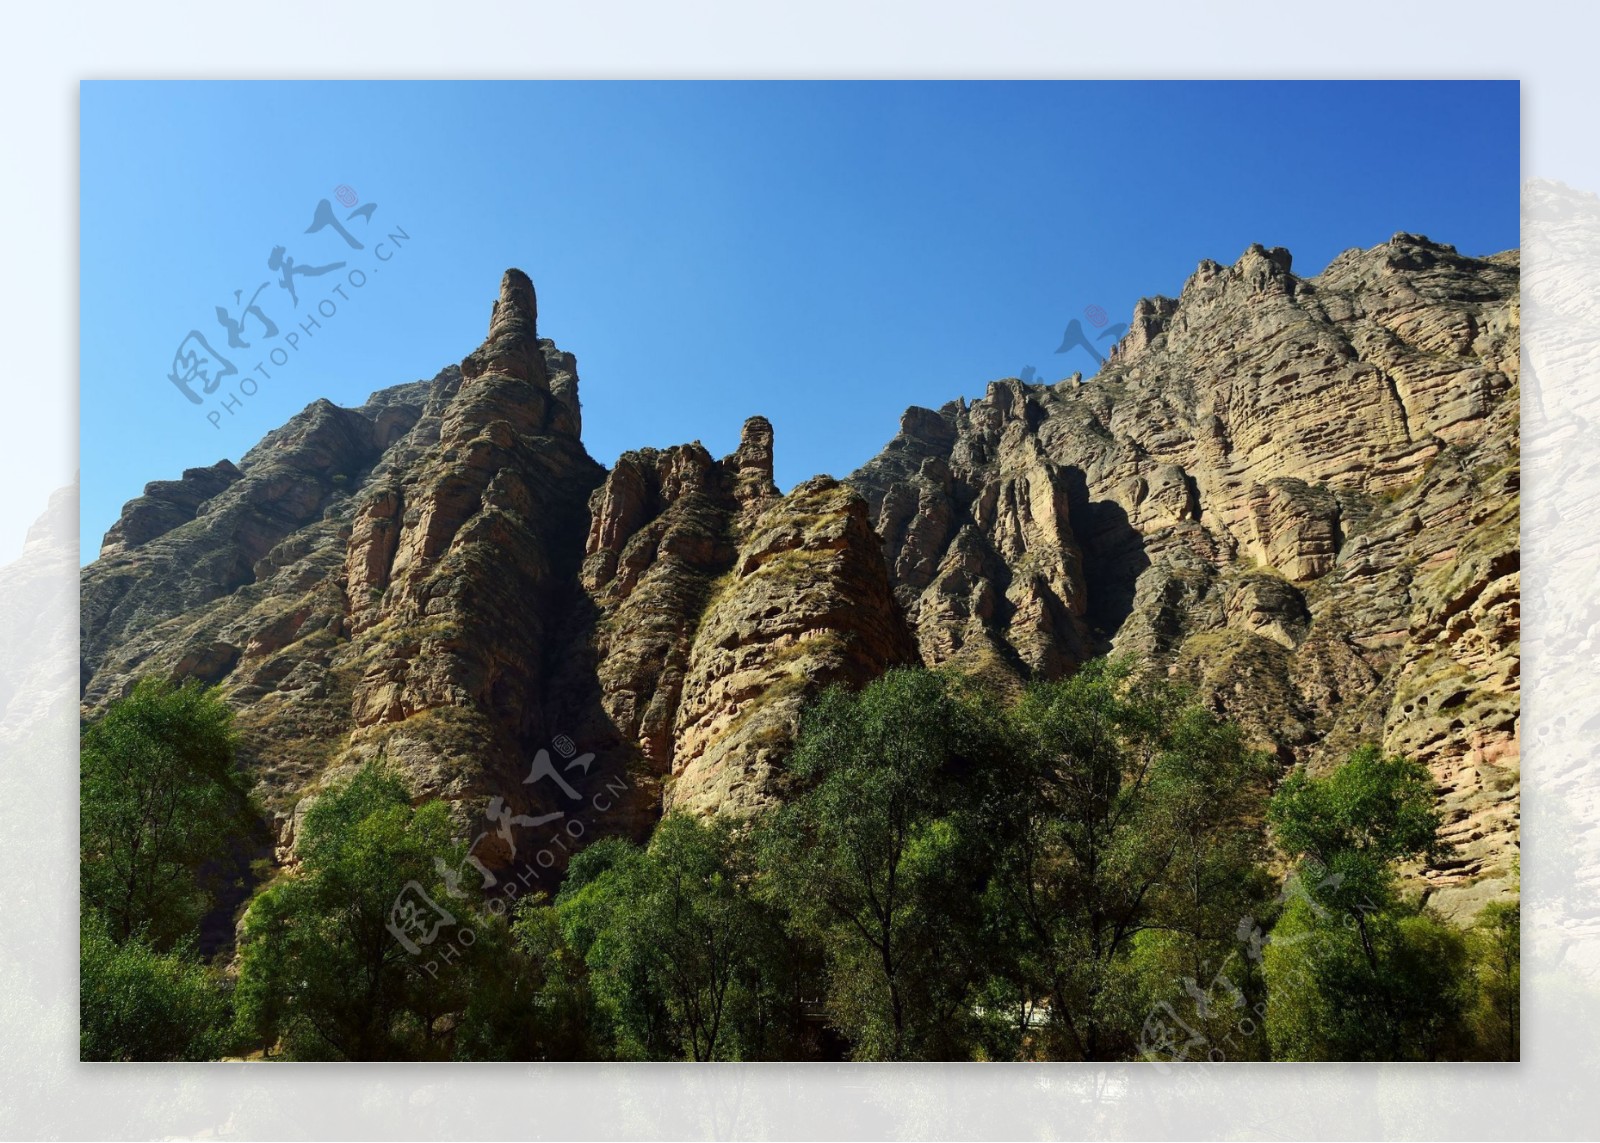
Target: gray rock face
{"points": [[724, 607], [188, 543], [167, 504]]}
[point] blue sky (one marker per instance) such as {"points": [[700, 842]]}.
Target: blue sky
{"points": [[824, 254]]}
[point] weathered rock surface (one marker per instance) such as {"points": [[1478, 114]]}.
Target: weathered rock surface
{"points": [[724, 606], [167, 504], [1298, 494], [805, 603], [445, 577], [393, 579]]}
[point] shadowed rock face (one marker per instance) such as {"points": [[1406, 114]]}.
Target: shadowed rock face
{"points": [[1300, 495]]}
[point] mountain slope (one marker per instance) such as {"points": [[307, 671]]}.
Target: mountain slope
{"points": [[1300, 494]]}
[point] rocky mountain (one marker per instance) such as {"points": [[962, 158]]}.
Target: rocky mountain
{"points": [[445, 577], [1298, 494]]}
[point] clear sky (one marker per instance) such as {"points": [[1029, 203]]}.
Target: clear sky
{"points": [[824, 254]]}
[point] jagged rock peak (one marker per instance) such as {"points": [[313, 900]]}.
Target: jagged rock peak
{"points": [[166, 504], [750, 465], [512, 347], [515, 375], [1296, 494], [518, 302]]}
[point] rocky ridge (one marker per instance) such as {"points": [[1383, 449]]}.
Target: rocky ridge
{"points": [[443, 576], [1298, 494]]}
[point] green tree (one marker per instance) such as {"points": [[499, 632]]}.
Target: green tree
{"points": [[528, 994], [160, 802], [1132, 826], [685, 961], [1350, 830], [592, 908], [1394, 990], [1495, 945], [882, 858], [1355, 972], [136, 1003], [321, 973]]}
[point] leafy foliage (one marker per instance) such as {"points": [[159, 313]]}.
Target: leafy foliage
{"points": [[1351, 828], [950, 876], [321, 974], [685, 961], [160, 800], [1329, 1000], [1495, 946], [1133, 821], [161, 804], [140, 1004], [531, 999], [1355, 972], [881, 861]]}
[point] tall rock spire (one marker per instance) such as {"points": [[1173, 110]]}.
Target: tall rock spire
{"points": [[515, 376], [750, 465], [512, 347]]}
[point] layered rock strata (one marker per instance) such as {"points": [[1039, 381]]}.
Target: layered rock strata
{"points": [[1299, 495]]}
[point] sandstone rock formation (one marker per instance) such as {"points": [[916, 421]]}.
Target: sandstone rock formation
{"points": [[1298, 494], [446, 578], [723, 607]]}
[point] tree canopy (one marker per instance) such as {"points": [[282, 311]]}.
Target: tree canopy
{"points": [[1097, 869], [161, 800]]}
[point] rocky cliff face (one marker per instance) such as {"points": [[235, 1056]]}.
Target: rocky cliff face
{"points": [[724, 606], [445, 577], [1299, 494]]}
